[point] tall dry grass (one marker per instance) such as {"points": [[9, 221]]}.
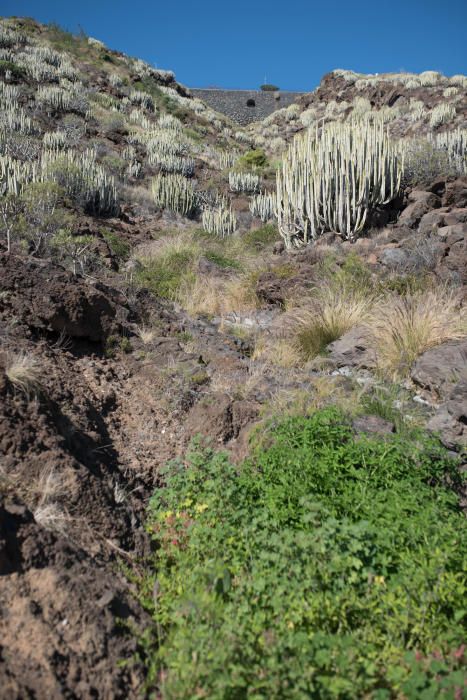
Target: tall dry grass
{"points": [[25, 372], [403, 327]]}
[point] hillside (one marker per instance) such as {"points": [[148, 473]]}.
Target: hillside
{"points": [[291, 294]]}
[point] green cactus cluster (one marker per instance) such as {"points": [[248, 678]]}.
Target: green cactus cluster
{"points": [[82, 179], [14, 174]]}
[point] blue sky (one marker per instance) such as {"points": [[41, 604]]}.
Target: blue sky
{"points": [[291, 44]]}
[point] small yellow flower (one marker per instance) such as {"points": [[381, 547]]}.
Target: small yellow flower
{"points": [[379, 580], [201, 507], [290, 625]]}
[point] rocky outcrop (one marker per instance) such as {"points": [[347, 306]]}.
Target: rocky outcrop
{"points": [[45, 296], [442, 372]]}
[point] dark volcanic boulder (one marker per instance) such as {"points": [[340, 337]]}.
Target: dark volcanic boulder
{"points": [[456, 193], [420, 203], [44, 295]]}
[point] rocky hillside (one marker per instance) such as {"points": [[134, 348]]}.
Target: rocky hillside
{"points": [[147, 296], [411, 105]]}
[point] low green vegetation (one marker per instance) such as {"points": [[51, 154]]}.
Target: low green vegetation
{"points": [[222, 261], [8, 67], [164, 275], [119, 247], [326, 566], [252, 160], [261, 238]]}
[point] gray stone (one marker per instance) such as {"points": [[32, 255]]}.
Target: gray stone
{"points": [[431, 221], [394, 257], [438, 370], [353, 349], [449, 430]]}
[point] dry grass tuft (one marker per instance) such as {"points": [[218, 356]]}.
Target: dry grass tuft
{"points": [[333, 312], [402, 328], [51, 517], [280, 352], [25, 372], [145, 334], [216, 296], [203, 295]]}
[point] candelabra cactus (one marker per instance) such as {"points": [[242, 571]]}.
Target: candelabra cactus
{"points": [[331, 180], [174, 192], [173, 164], [83, 180], [14, 175], [454, 143], [263, 206], [243, 182], [220, 220]]}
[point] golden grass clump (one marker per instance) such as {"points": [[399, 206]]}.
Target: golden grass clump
{"points": [[402, 328], [25, 372], [333, 312]]}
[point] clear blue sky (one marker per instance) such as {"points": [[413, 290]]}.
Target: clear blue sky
{"points": [[291, 43]]}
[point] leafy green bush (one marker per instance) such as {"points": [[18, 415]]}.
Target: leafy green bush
{"points": [[327, 566], [267, 87], [424, 162], [222, 261], [12, 68], [252, 159], [165, 274], [119, 247]]}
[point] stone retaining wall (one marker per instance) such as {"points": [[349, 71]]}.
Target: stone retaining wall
{"points": [[245, 106]]}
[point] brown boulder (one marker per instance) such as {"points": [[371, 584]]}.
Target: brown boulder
{"points": [[431, 221], [353, 349], [45, 296], [420, 202], [456, 193], [438, 370]]}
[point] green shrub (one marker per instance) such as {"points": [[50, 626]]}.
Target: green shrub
{"points": [[164, 275], [9, 67], [267, 87], [120, 248], [260, 238], [424, 162], [252, 159], [327, 566], [222, 260]]}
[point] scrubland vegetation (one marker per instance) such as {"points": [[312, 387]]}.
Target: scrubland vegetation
{"points": [[327, 562], [324, 566]]}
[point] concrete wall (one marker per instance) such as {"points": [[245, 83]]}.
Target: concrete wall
{"points": [[233, 103]]}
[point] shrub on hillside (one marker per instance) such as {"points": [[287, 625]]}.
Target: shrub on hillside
{"points": [[326, 566], [267, 87]]}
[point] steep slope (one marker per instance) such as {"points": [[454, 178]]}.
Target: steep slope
{"points": [[145, 298]]}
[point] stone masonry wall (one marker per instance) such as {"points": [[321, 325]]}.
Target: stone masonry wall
{"points": [[234, 103]]}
